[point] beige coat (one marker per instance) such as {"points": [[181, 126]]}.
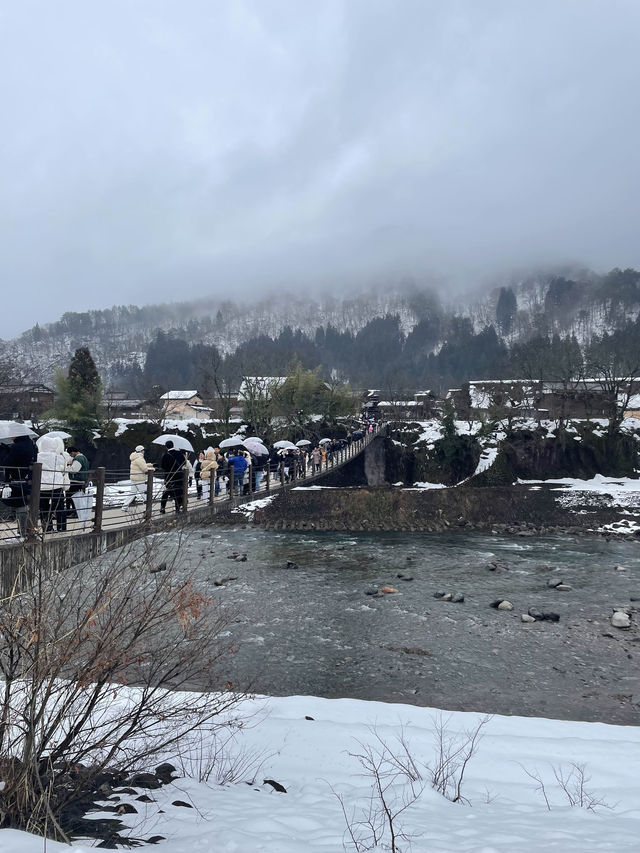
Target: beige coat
{"points": [[138, 468], [208, 467]]}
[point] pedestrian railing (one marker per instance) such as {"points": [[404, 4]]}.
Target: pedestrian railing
{"points": [[34, 508]]}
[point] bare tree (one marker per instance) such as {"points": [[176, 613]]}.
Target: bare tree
{"points": [[90, 660]]}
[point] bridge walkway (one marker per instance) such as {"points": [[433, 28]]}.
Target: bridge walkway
{"points": [[110, 490]]}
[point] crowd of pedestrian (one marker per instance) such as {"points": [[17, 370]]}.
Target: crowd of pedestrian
{"points": [[65, 474]]}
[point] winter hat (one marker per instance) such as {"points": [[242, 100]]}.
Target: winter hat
{"points": [[139, 448]]}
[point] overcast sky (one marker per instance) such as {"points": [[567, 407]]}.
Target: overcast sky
{"points": [[155, 150]]}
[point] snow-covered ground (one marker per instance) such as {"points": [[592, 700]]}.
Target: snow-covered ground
{"points": [[309, 746]]}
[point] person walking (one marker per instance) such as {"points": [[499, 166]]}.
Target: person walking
{"points": [[17, 474], [78, 470], [208, 473], [172, 464], [316, 459], [239, 467], [138, 470], [52, 493]]}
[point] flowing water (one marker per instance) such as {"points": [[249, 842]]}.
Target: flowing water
{"points": [[305, 625]]}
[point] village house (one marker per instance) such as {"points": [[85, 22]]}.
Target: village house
{"points": [[25, 402], [184, 406]]}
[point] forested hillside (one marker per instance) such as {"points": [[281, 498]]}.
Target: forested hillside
{"points": [[542, 326]]}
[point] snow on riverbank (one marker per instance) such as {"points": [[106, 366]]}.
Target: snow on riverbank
{"points": [[307, 742]]}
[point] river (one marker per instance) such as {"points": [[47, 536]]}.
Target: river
{"points": [[304, 623]]}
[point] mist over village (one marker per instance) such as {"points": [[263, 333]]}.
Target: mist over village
{"points": [[320, 426]]}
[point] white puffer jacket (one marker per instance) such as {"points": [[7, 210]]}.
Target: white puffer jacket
{"points": [[54, 465]]}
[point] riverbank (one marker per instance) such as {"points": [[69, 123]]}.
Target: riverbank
{"points": [[522, 510]]}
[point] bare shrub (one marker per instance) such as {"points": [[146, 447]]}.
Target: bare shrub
{"points": [[69, 645], [453, 752], [216, 757], [571, 784], [397, 782], [394, 788]]}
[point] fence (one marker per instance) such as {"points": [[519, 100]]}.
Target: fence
{"points": [[44, 506]]}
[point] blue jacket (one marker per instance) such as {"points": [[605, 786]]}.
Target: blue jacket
{"points": [[239, 464]]}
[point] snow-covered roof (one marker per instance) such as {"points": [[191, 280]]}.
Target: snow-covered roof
{"points": [[179, 395], [260, 385]]}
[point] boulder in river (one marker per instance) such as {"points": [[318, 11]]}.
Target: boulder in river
{"points": [[527, 617], [620, 619]]}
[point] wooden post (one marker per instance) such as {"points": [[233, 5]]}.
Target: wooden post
{"points": [[232, 483], [97, 518], [34, 500], [148, 509], [185, 488]]}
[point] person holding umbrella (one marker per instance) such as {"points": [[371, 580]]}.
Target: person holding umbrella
{"points": [[17, 473], [172, 464], [239, 467]]}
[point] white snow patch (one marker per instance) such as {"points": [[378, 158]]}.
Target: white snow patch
{"points": [[310, 757]]}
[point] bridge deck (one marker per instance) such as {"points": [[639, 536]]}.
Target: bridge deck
{"points": [[112, 517]]}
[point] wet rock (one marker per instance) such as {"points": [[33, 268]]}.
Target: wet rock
{"points": [[145, 780], [241, 558], [505, 605], [275, 785], [223, 581], [166, 773], [446, 597], [620, 619], [439, 594], [620, 568], [497, 566], [404, 577], [527, 617], [635, 596], [544, 615], [457, 598], [291, 565], [564, 587], [373, 590]]}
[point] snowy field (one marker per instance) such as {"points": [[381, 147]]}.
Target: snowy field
{"points": [[314, 759]]}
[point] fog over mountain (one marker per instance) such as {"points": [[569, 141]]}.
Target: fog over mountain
{"points": [[154, 151]]}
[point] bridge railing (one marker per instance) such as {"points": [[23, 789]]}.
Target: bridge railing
{"points": [[40, 503]]}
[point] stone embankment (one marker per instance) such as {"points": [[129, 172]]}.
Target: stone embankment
{"points": [[512, 510]]}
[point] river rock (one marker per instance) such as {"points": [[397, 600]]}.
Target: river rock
{"points": [[497, 566], [544, 615], [373, 590], [620, 568], [292, 565], [457, 598], [505, 605], [564, 587], [526, 617], [620, 619]]}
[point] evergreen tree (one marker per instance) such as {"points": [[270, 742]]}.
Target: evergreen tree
{"points": [[78, 402], [506, 309]]}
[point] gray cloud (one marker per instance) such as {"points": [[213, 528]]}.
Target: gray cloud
{"points": [[157, 150]]}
